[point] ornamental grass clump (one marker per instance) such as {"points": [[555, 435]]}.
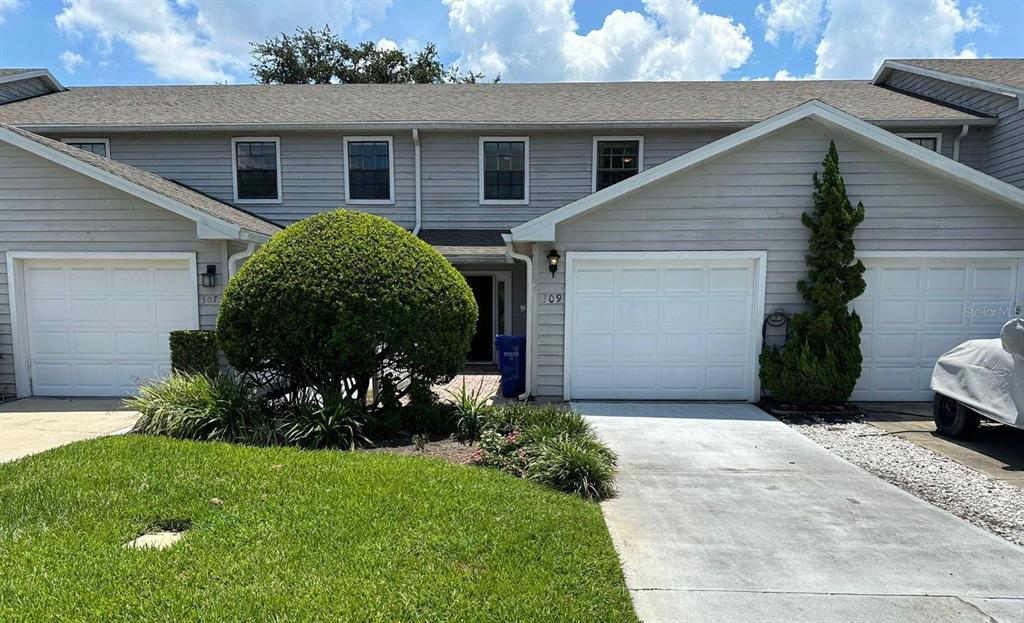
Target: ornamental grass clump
{"points": [[821, 361]]}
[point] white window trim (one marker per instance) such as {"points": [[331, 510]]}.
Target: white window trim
{"points": [[601, 139], [391, 168], [525, 140], [17, 296], [71, 141], [234, 167], [936, 135]]}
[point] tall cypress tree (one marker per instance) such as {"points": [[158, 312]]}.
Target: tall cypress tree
{"points": [[821, 362]]}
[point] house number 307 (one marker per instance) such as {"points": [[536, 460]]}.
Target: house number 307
{"points": [[551, 299], [209, 299]]}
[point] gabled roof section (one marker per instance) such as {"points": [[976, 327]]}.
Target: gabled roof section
{"points": [[1004, 76], [543, 228], [253, 107], [15, 74], [214, 220]]}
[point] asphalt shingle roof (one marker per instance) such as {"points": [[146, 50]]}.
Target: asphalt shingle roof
{"points": [[412, 105], [466, 242], [157, 184], [1005, 71]]}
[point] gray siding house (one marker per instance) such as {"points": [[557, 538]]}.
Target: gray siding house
{"points": [[672, 209]]}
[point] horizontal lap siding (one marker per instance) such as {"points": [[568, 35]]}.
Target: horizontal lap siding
{"points": [[1004, 142], [752, 199], [45, 207], [312, 170]]}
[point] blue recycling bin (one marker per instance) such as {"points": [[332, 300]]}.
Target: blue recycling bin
{"points": [[511, 364]]}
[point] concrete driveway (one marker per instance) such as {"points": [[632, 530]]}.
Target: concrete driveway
{"points": [[32, 425], [726, 514]]}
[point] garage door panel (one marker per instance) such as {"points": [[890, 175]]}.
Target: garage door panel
{"points": [[916, 309], [100, 327], [682, 329]]}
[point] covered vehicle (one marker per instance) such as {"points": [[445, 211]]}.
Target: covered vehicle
{"points": [[981, 378]]}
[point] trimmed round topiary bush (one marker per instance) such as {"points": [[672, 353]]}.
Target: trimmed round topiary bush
{"points": [[340, 298]]}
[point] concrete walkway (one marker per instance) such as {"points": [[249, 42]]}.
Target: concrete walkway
{"points": [[32, 425], [726, 514]]}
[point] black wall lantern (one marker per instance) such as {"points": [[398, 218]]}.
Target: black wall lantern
{"points": [[209, 278], [553, 258]]}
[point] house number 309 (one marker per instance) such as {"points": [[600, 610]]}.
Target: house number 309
{"points": [[551, 299]]}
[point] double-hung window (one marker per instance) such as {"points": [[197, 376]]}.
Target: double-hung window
{"points": [[257, 164], [616, 158], [505, 170], [98, 146], [369, 166], [928, 140]]}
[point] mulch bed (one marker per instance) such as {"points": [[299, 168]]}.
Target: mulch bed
{"points": [[811, 413], [446, 448]]}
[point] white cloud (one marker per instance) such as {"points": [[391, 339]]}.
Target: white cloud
{"points": [[204, 40], [6, 6], [539, 40], [71, 61], [860, 35], [799, 18]]}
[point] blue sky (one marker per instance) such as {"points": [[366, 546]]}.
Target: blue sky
{"points": [[202, 41]]}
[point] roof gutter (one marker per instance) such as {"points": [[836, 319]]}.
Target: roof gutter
{"points": [[530, 313], [235, 261], [419, 193], [470, 126]]}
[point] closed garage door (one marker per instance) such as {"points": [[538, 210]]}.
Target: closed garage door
{"points": [[655, 327], [915, 309], [99, 327]]}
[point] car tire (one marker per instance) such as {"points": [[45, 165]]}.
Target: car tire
{"points": [[953, 419]]}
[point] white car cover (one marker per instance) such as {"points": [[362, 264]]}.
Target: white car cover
{"points": [[987, 375]]}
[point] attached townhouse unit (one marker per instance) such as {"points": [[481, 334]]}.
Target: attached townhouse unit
{"points": [[638, 234]]}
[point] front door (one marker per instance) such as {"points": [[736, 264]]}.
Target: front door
{"points": [[482, 345]]}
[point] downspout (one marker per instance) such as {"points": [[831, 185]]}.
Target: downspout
{"points": [[511, 252], [236, 260], [956, 142], [419, 199]]}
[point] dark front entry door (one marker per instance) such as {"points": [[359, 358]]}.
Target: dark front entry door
{"points": [[480, 348]]}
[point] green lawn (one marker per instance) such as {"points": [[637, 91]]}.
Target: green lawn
{"points": [[301, 535]]}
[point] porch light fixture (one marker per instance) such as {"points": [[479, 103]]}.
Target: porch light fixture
{"points": [[209, 278], [553, 258]]}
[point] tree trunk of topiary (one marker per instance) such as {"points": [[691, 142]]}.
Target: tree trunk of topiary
{"points": [[821, 362]]}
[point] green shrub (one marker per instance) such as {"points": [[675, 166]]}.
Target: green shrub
{"points": [[339, 298], [471, 408], [194, 352], [581, 466], [195, 406], [333, 421], [822, 360], [551, 445]]}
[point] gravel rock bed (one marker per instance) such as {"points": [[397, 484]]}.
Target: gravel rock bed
{"points": [[991, 504]]}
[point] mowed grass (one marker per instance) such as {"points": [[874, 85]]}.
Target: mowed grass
{"points": [[300, 535]]}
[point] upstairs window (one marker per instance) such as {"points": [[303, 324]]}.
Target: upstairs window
{"points": [[369, 161], [257, 169], [98, 146], [928, 140], [616, 158], [504, 170]]}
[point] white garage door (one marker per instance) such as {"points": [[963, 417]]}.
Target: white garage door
{"points": [[661, 328], [100, 327], [915, 309]]}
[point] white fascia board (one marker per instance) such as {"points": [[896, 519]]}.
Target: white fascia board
{"points": [[888, 67], [542, 229], [207, 226]]}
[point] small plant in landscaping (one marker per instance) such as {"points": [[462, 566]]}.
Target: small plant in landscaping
{"points": [[196, 406], [471, 407], [419, 442], [333, 421], [581, 466]]}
